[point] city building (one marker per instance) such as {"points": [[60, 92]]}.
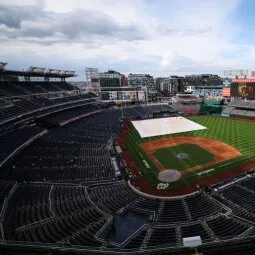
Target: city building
{"points": [[124, 81], [110, 79], [142, 80], [92, 79], [202, 80], [170, 85]]}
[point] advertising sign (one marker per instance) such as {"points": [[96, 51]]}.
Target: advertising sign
{"points": [[237, 72]]}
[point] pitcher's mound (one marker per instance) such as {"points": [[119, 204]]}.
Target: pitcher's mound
{"points": [[182, 155], [169, 175]]}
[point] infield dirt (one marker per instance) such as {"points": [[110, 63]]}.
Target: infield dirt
{"points": [[221, 151]]}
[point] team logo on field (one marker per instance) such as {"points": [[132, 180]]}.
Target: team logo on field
{"points": [[162, 185]]}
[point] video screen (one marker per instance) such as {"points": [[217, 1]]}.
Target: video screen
{"points": [[246, 90]]}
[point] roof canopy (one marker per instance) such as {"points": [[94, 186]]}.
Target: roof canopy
{"points": [[34, 71]]}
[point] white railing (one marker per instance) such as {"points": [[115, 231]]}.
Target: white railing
{"points": [[51, 188], [23, 146]]}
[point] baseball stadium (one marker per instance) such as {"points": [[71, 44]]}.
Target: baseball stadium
{"points": [[80, 175]]}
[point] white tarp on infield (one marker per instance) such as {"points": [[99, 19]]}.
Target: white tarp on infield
{"points": [[163, 126]]}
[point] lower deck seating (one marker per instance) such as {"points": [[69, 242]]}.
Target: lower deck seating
{"points": [[173, 211], [112, 198], [29, 203], [201, 206], [136, 241], [249, 184], [240, 196], [49, 213], [195, 230], [5, 188], [14, 138], [162, 236]]}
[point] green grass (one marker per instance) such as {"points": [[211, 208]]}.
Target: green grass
{"points": [[168, 157], [239, 134]]}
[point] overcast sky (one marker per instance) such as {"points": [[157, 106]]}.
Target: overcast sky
{"points": [[160, 37]]}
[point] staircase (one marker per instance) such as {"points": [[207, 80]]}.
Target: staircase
{"points": [[146, 238], [161, 208], [186, 208], [209, 231], [178, 234]]}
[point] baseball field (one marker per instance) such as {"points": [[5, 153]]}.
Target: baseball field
{"points": [[226, 147]]}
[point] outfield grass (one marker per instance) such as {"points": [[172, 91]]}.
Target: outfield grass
{"points": [[168, 157], [239, 134]]}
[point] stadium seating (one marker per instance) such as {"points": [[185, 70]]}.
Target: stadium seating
{"points": [[241, 196], [195, 230], [186, 104], [14, 138], [173, 211], [9, 89], [242, 103], [67, 191], [111, 198], [33, 98], [201, 206], [4, 191], [241, 108], [162, 236], [226, 228]]}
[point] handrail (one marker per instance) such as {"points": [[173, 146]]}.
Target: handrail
{"points": [[51, 188], [23, 145]]}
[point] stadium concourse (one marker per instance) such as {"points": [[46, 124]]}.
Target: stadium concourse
{"points": [[64, 186]]}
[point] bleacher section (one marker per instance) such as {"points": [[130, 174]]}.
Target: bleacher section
{"points": [[186, 104], [10, 89], [10, 109], [241, 108], [162, 236], [226, 228], [14, 138], [147, 110]]}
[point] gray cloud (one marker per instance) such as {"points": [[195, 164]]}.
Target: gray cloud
{"points": [[12, 16], [32, 22]]}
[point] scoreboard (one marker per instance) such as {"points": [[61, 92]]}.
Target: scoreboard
{"points": [[243, 88]]}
